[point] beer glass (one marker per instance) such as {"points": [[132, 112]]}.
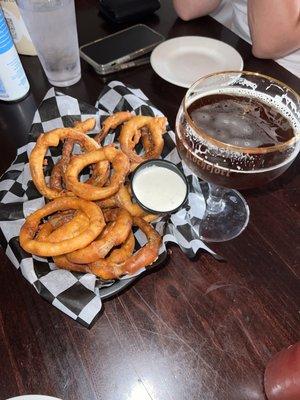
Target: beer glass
{"points": [[230, 152]]}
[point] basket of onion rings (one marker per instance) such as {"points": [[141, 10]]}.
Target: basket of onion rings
{"points": [[87, 226], [67, 214]]}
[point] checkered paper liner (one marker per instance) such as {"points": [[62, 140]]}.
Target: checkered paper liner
{"points": [[79, 295]]}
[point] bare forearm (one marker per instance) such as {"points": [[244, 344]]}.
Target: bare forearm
{"points": [[190, 9], [274, 27]]}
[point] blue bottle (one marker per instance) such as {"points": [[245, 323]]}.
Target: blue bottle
{"points": [[13, 82]]}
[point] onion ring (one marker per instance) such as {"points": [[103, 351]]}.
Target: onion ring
{"points": [[99, 176], [120, 164], [112, 122], [59, 168], [66, 227], [38, 153], [115, 235], [147, 145], [122, 253], [48, 232], [146, 139], [54, 222], [144, 257], [63, 262], [110, 202], [117, 256], [156, 126], [85, 126], [30, 227], [123, 199]]}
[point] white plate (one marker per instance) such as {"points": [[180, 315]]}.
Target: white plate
{"points": [[34, 397], [185, 59]]}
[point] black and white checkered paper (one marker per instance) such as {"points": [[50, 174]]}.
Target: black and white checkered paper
{"points": [[79, 295]]}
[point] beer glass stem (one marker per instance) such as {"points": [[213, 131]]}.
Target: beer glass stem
{"points": [[214, 201]]}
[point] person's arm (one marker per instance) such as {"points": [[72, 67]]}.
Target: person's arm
{"points": [[274, 27], [190, 9]]}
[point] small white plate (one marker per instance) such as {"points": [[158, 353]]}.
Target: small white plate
{"points": [[34, 397], [185, 59]]}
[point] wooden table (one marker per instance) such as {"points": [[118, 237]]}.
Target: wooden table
{"points": [[198, 329]]}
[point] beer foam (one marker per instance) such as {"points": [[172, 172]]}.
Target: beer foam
{"points": [[240, 124], [276, 102]]}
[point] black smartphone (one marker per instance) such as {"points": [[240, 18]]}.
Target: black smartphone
{"points": [[108, 54]]}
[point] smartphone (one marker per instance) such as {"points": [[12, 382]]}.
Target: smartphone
{"points": [[108, 54]]}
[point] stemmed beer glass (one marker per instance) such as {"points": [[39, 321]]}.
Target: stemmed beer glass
{"points": [[236, 130]]}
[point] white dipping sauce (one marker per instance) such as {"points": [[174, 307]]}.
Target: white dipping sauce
{"points": [[159, 188]]}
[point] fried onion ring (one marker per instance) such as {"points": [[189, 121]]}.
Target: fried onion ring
{"points": [[112, 122], [30, 227], [117, 256], [144, 257], [71, 229], [115, 235], [131, 128], [54, 222], [59, 168], [85, 126], [65, 227], [147, 145], [120, 164], [110, 202], [51, 231], [38, 153], [63, 263], [146, 139], [123, 199], [100, 174]]}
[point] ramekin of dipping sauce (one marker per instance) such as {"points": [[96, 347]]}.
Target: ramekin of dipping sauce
{"points": [[159, 186]]}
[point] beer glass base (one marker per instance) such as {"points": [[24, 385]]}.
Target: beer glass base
{"points": [[65, 83], [228, 221]]}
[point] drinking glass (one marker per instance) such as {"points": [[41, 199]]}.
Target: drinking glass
{"points": [[52, 28], [226, 166]]}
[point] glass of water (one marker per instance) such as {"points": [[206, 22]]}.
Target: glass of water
{"points": [[52, 28]]}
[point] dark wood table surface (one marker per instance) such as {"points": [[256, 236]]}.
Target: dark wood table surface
{"points": [[200, 329]]}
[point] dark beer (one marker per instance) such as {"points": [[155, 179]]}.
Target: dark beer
{"points": [[236, 141]]}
